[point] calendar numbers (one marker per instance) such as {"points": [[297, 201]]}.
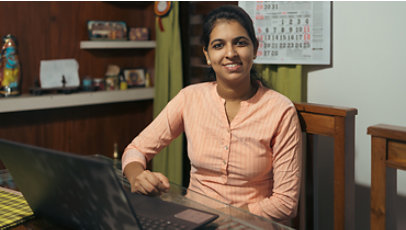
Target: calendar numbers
{"points": [[285, 29], [291, 32]]}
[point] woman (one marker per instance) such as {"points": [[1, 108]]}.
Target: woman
{"points": [[244, 140]]}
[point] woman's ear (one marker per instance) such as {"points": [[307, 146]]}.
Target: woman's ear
{"points": [[206, 54], [256, 49]]}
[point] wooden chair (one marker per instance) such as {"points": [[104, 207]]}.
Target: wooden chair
{"points": [[338, 123], [388, 153]]}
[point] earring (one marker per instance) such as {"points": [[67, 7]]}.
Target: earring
{"points": [[208, 62]]}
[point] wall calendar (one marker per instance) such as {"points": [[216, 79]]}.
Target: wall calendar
{"points": [[291, 32]]}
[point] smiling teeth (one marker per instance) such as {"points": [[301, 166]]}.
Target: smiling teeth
{"points": [[231, 65]]}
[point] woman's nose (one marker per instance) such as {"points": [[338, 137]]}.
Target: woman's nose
{"points": [[230, 51]]}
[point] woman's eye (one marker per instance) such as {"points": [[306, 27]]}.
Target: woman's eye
{"points": [[241, 43], [217, 46]]}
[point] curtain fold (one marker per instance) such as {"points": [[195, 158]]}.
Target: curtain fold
{"points": [[168, 82], [285, 79]]}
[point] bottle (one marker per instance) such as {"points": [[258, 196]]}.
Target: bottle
{"points": [[10, 74], [115, 153], [147, 80], [116, 157], [123, 82]]}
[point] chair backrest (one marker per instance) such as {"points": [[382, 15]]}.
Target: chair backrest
{"points": [[388, 150], [338, 123]]}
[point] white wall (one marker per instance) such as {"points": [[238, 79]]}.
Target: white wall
{"points": [[368, 72]]}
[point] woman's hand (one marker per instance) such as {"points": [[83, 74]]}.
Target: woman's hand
{"points": [[144, 181], [150, 183]]}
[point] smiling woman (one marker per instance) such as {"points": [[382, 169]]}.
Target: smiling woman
{"points": [[244, 139]]}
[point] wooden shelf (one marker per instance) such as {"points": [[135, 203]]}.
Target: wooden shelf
{"points": [[29, 102], [117, 44]]}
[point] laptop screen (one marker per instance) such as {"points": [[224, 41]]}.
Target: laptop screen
{"points": [[73, 190]]}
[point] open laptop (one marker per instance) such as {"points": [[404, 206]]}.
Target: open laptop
{"points": [[82, 192]]}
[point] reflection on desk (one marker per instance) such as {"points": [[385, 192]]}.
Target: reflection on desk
{"points": [[229, 217]]}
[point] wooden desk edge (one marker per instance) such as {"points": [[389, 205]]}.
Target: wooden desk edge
{"points": [[326, 109], [388, 131]]}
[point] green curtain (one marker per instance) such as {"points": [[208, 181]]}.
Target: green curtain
{"points": [[286, 79], [168, 82]]}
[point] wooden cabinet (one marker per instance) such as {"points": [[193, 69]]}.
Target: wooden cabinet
{"points": [[57, 30], [83, 129]]}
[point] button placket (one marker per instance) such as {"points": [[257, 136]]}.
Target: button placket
{"points": [[226, 151], [225, 155]]}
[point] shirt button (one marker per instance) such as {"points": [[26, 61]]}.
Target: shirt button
{"points": [[226, 147]]}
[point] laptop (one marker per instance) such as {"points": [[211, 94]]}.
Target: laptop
{"points": [[83, 192]]}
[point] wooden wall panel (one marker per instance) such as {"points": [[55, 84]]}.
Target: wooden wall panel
{"points": [[83, 130]]}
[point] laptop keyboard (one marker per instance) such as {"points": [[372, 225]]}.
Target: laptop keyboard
{"points": [[152, 223]]}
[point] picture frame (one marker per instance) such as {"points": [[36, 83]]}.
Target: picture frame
{"points": [[107, 30], [134, 77]]}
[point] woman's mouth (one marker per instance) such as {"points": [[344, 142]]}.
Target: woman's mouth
{"points": [[232, 66]]}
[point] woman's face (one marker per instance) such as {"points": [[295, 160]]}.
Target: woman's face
{"points": [[230, 51]]}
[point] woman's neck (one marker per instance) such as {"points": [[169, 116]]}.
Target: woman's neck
{"points": [[240, 92]]}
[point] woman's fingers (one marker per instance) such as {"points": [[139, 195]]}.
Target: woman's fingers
{"points": [[164, 182], [149, 183]]}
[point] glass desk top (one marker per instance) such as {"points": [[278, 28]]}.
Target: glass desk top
{"points": [[229, 217]]}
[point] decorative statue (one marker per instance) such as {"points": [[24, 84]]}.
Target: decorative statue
{"points": [[9, 68]]}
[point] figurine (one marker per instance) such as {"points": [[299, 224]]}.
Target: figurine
{"points": [[9, 68]]}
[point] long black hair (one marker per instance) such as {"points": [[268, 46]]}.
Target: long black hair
{"points": [[230, 12]]}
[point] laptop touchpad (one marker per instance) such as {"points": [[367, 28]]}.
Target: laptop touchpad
{"points": [[193, 216]]}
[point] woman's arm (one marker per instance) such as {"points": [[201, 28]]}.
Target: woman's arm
{"points": [[287, 158], [163, 129]]}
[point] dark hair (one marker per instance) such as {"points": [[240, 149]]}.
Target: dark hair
{"points": [[230, 12]]}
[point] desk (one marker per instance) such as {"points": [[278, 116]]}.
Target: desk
{"points": [[176, 194]]}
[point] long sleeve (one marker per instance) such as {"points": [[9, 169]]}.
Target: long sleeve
{"points": [[163, 129], [287, 158]]}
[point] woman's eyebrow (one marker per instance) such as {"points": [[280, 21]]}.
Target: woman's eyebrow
{"points": [[216, 40], [240, 37], [234, 39]]}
